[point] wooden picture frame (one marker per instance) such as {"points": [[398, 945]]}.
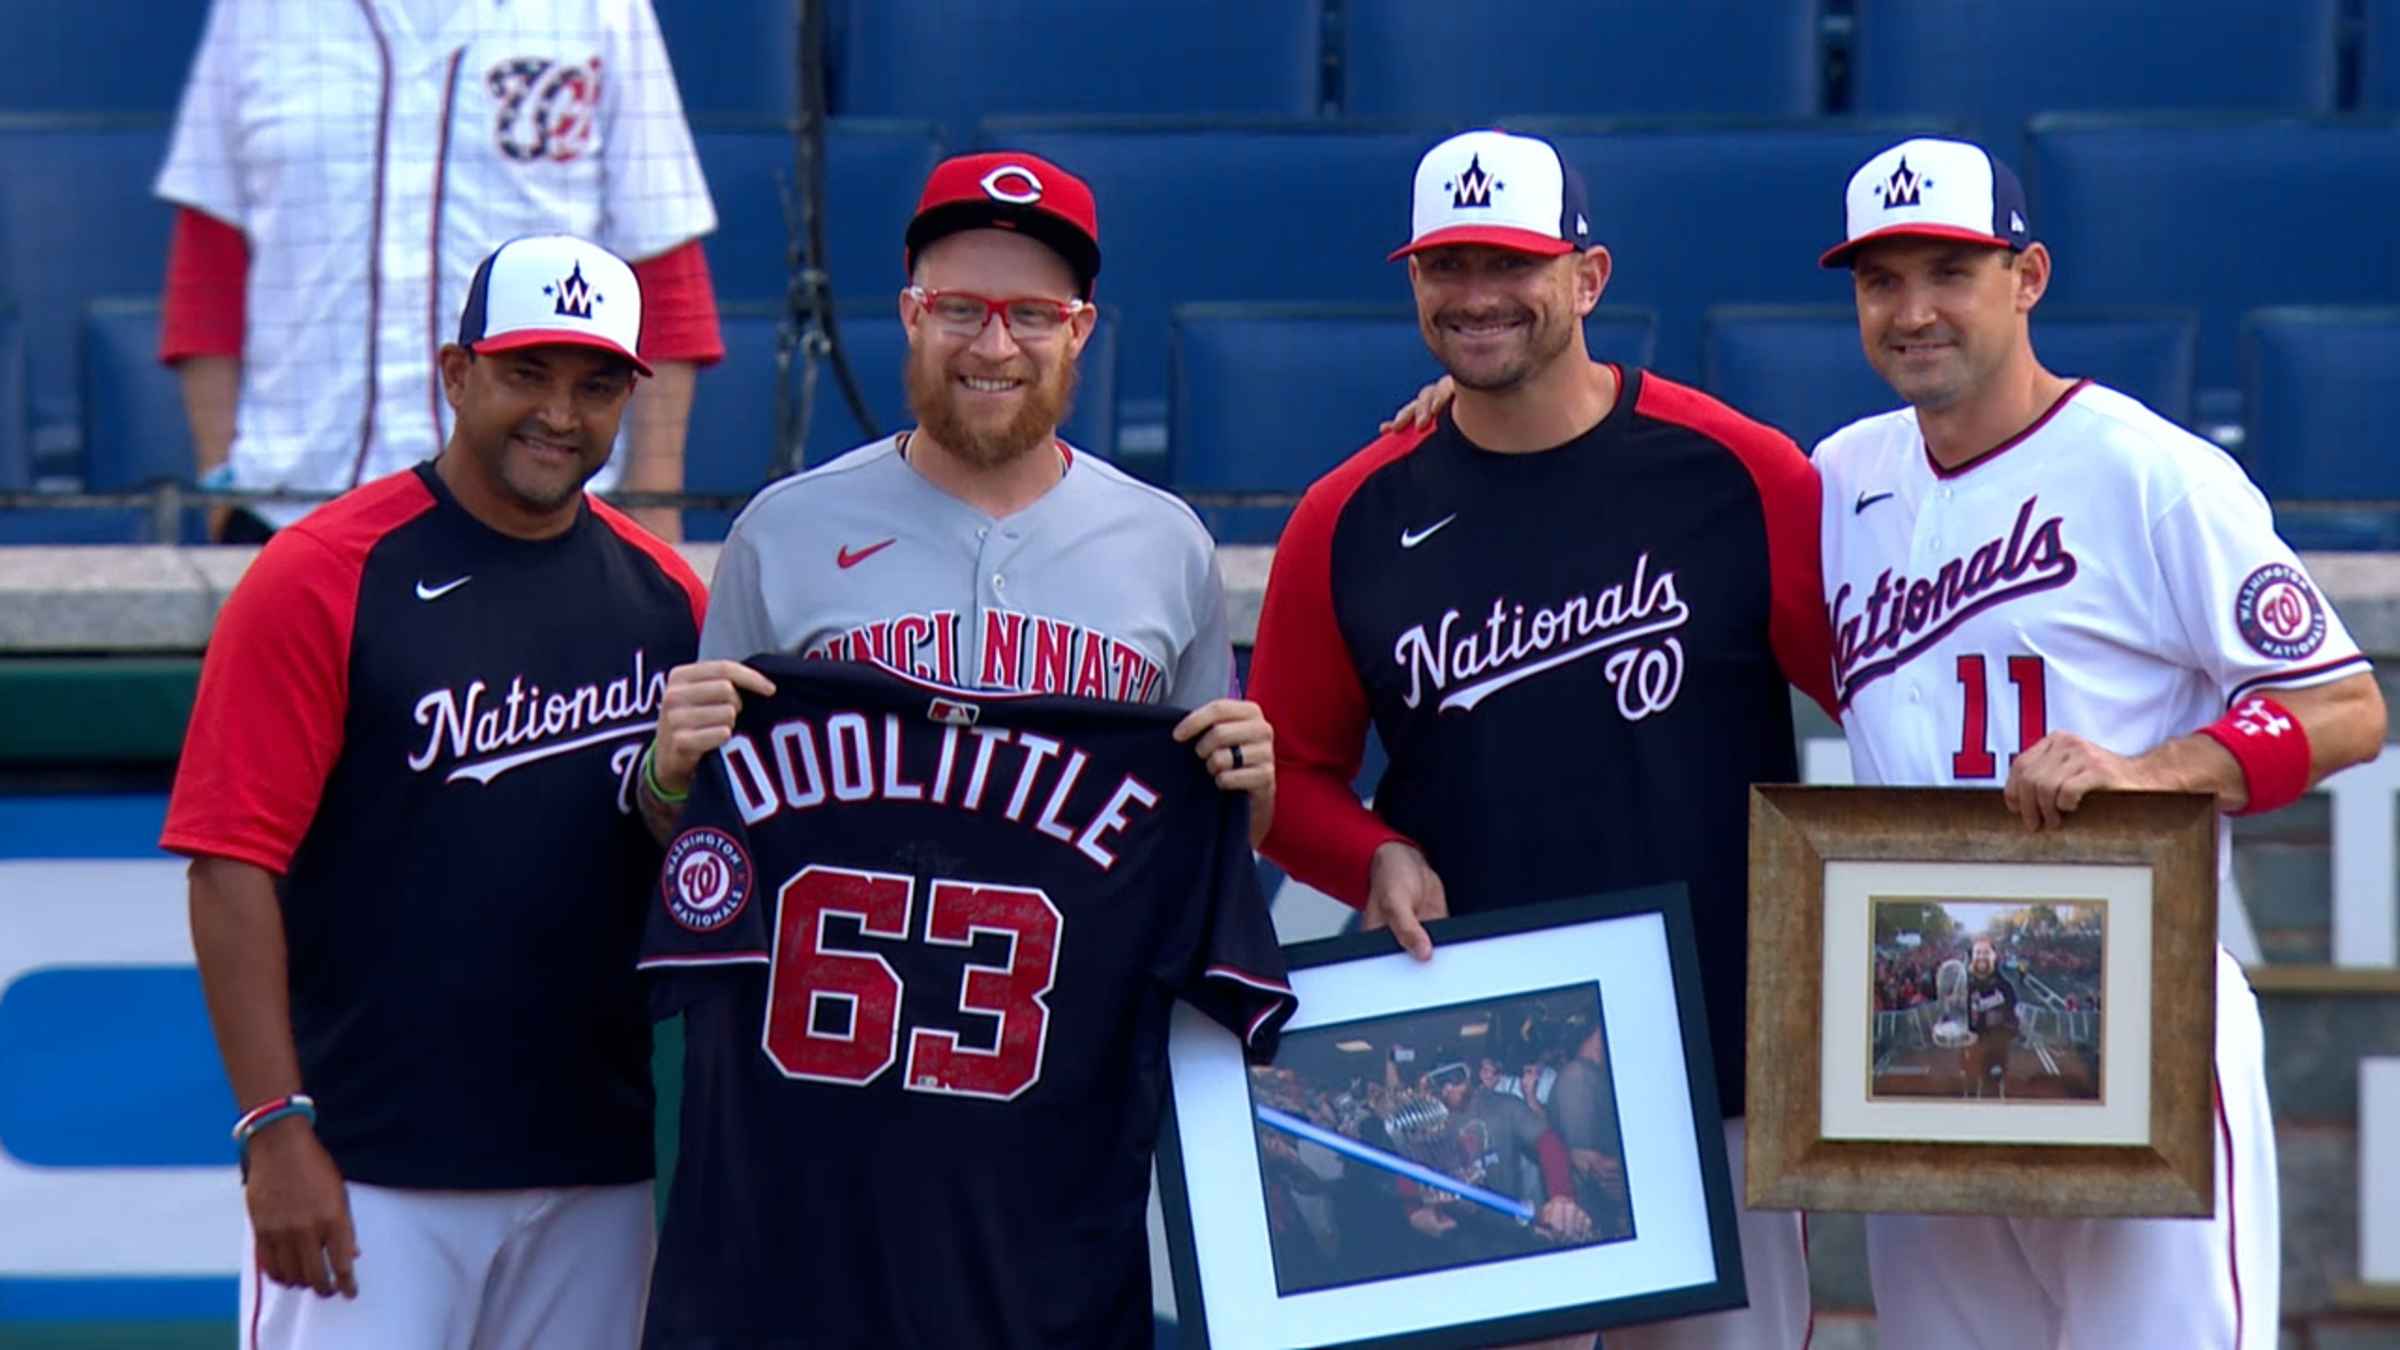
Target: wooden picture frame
{"points": [[2125, 1126], [1620, 969]]}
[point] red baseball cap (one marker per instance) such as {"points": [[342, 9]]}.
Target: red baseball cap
{"points": [[1006, 190]]}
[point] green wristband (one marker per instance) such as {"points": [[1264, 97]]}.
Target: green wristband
{"points": [[650, 780]]}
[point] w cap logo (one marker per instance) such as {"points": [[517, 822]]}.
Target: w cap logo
{"points": [[575, 295], [1474, 187], [1903, 188]]}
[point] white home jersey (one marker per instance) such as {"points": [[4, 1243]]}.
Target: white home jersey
{"points": [[2105, 573], [371, 154]]}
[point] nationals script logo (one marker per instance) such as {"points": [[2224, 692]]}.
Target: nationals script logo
{"points": [[1632, 623], [1903, 618], [478, 734]]}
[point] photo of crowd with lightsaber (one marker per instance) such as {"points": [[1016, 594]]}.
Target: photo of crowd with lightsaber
{"points": [[1440, 1138]]}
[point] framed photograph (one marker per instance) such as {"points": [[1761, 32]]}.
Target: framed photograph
{"points": [[1952, 1014], [1517, 1139]]}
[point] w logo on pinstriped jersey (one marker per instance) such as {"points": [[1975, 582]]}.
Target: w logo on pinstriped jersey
{"points": [[549, 110]]}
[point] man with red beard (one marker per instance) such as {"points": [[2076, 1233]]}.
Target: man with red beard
{"points": [[980, 556], [977, 549]]}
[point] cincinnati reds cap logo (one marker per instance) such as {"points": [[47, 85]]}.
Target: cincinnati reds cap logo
{"points": [[2279, 613], [706, 879], [994, 185]]}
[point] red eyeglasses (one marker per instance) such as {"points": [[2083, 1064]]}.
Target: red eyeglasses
{"points": [[1028, 318]]}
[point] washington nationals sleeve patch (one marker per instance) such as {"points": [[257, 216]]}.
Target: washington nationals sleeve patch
{"points": [[706, 880], [2279, 613]]}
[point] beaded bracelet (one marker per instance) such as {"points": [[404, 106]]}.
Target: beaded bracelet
{"points": [[268, 1112]]}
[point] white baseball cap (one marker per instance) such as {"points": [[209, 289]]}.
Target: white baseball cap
{"points": [[550, 290], [1933, 189], [1500, 189]]}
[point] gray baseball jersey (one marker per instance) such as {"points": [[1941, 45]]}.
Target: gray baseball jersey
{"points": [[1106, 587]]}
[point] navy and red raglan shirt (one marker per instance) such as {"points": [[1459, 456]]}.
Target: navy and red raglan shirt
{"points": [[925, 942], [1577, 662], [428, 731]]}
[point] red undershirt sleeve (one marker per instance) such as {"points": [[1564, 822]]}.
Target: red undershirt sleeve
{"points": [[1302, 677], [266, 728], [208, 277], [679, 307]]}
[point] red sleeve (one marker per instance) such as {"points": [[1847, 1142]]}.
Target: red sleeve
{"points": [[1790, 496], [1558, 1174], [662, 553], [208, 277], [1303, 679], [679, 307]]}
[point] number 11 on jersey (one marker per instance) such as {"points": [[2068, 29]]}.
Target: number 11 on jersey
{"points": [[1974, 758]]}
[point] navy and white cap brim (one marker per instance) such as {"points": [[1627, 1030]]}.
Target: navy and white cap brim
{"points": [[1928, 188]]}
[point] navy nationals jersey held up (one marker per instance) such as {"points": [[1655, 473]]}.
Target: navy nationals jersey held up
{"points": [[1541, 641], [431, 740], [926, 941]]}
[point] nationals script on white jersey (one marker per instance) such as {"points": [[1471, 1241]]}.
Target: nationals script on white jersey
{"points": [[2106, 573]]}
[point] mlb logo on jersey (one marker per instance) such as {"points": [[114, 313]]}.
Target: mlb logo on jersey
{"points": [[951, 712], [706, 880]]}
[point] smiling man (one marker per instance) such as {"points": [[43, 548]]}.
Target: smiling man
{"points": [[417, 872], [2040, 585], [1572, 607]]}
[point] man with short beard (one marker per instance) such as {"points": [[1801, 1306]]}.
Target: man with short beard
{"points": [[977, 549], [417, 878], [1571, 606]]}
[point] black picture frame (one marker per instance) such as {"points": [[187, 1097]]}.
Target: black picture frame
{"points": [[1636, 950]]}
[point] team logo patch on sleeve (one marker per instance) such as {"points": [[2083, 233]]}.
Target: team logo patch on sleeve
{"points": [[2279, 613], [706, 880]]}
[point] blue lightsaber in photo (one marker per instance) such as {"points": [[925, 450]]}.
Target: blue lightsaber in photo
{"points": [[1392, 1162]]}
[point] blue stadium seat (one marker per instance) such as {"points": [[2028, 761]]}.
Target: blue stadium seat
{"points": [[135, 433], [1266, 398], [2233, 216], [74, 525], [1695, 216], [1442, 63], [1799, 368], [16, 459], [731, 447], [873, 173], [98, 55], [2317, 400], [734, 58], [77, 221], [1195, 211], [1996, 66], [2379, 57], [1106, 58]]}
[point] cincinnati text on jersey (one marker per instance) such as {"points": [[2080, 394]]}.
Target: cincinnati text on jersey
{"points": [[802, 766], [1633, 620], [1904, 617], [530, 724], [1028, 653]]}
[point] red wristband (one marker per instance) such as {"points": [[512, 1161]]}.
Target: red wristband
{"points": [[2271, 746]]}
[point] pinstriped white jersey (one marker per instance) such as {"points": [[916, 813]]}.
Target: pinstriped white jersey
{"points": [[2105, 573], [372, 152]]}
